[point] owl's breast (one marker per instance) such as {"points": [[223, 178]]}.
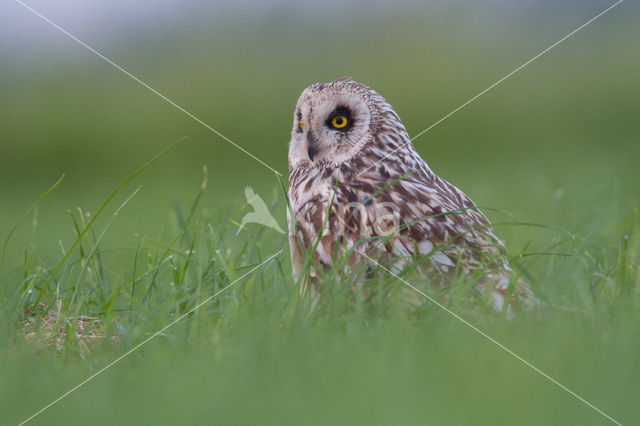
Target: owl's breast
{"points": [[310, 185]]}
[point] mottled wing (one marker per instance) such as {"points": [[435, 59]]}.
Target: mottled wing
{"points": [[439, 222]]}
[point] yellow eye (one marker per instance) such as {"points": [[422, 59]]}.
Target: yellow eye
{"points": [[301, 126], [339, 121]]}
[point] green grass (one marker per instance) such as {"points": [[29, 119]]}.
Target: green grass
{"points": [[258, 352]]}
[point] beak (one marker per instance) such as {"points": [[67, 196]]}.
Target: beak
{"points": [[312, 145]]}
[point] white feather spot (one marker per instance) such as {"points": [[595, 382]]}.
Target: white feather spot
{"points": [[402, 250], [496, 300], [425, 247], [442, 258], [503, 283]]}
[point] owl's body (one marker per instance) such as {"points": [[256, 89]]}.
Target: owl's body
{"points": [[393, 208]]}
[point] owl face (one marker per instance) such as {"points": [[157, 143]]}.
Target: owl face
{"points": [[332, 122]]}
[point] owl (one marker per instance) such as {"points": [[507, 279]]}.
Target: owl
{"points": [[358, 188]]}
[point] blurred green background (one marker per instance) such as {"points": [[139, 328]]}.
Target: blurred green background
{"points": [[558, 143]]}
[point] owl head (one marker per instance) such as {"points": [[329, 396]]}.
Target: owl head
{"points": [[334, 122]]}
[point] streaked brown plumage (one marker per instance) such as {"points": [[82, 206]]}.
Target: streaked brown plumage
{"points": [[407, 209]]}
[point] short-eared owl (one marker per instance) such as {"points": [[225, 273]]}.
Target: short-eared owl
{"points": [[393, 208]]}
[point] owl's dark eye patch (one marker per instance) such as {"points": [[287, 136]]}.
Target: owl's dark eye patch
{"points": [[299, 117], [340, 119]]}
